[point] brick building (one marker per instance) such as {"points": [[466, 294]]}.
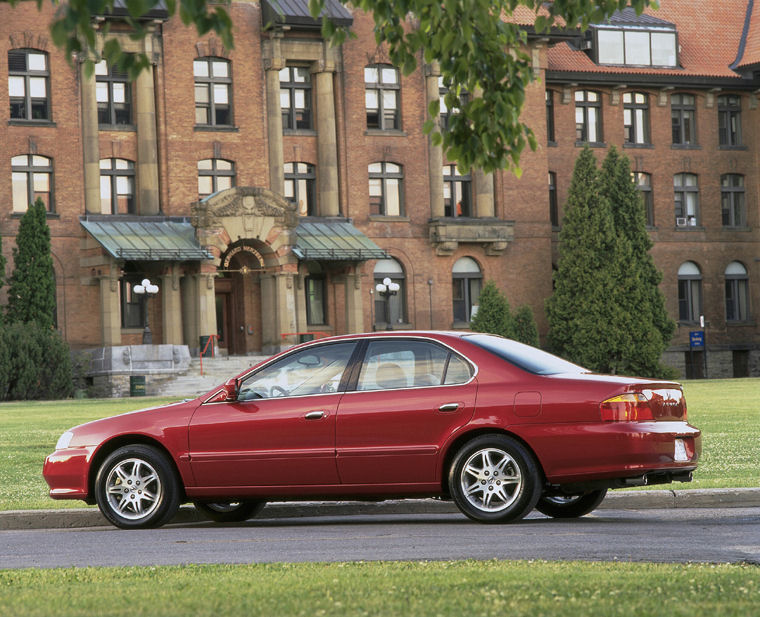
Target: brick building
{"points": [[267, 189]]}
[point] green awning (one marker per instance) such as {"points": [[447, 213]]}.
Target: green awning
{"points": [[334, 240], [146, 238]]}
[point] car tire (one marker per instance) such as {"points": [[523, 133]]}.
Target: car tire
{"points": [[494, 479], [229, 511], [137, 488], [570, 506]]}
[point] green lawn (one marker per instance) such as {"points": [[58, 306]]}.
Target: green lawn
{"points": [[727, 411], [517, 589]]}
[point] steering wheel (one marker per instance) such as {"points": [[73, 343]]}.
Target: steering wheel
{"points": [[277, 391]]}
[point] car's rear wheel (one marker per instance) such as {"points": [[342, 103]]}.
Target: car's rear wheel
{"points": [[494, 479], [229, 511], [570, 506], [136, 488]]}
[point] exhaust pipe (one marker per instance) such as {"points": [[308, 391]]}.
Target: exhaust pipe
{"points": [[638, 481]]}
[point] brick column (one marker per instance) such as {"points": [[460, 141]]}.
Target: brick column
{"points": [[435, 153], [91, 150], [327, 142]]}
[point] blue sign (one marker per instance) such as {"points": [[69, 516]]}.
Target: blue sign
{"points": [[696, 339]]}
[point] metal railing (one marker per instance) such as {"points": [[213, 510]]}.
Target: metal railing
{"points": [[210, 341]]}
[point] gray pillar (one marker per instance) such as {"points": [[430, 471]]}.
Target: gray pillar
{"points": [[327, 145], [435, 153], [90, 145], [147, 144], [484, 203]]}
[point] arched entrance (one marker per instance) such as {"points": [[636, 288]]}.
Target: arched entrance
{"points": [[237, 292]]}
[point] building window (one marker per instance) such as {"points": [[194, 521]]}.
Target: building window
{"points": [[689, 292], [31, 179], [737, 293], [316, 299], [28, 84], [381, 95], [553, 208], [300, 182], [132, 304], [117, 186], [732, 200], [295, 98], [643, 182], [636, 117], [467, 281], [729, 120], [215, 175], [457, 192], [114, 95], [550, 116], [385, 189], [686, 194], [588, 116], [393, 305], [683, 113], [213, 84], [445, 111], [636, 47]]}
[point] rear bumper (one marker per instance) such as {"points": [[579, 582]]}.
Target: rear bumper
{"points": [[67, 472], [615, 451]]}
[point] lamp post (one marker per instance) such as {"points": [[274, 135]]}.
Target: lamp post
{"points": [[386, 289], [146, 290]]}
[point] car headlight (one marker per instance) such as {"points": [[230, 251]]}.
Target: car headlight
{"points": [[64, 440]]}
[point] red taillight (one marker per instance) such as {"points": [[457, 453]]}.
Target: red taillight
{"points": [[629, 407]]}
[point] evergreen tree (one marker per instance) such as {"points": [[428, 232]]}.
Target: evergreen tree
{"points": [[526, 330], [493, 316], [587, 315], [650, 325], [31, 288], [2, 272]]}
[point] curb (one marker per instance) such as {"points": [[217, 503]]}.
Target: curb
{"points": [[628, 500]]}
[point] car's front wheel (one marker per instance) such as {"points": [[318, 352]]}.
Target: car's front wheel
{"points": [[229, 511], [494, 479], [570, 506], [136, 487]]}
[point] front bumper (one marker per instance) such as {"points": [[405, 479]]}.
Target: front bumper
{"points": [[67, 472]]}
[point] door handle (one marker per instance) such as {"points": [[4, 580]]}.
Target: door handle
{"points": [[315, 415], [449, 407]]}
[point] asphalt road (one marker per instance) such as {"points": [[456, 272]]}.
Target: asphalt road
{"points": [[701, 535]]}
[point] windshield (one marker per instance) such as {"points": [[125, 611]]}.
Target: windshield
{"points": [[524, 356]]}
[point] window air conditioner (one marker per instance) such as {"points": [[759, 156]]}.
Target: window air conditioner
{"points": [[680, 221]]}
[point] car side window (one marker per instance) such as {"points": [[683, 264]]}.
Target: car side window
{"points": [[458, 370], [389, 365], [316, 370]]}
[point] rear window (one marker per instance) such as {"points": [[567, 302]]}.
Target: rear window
{"points": [[523, 356]]}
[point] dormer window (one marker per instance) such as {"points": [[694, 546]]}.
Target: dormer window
{"points": [[636, 47]]}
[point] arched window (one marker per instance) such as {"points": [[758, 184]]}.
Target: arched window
{"points": [[213, 96], [467, 281], [689, 292], [385, 189], [215, 175], [737, 292], [31, 178], [683, 113], [300, 187], [382, 90], [117, 186], [390, 309]]}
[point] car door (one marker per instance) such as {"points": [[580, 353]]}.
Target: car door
{"points": [[409, 396], [281, 429]]}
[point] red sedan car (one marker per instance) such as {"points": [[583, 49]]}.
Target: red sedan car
{"points": [[499, 427]]}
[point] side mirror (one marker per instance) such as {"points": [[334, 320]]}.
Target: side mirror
{"points": [[226, 394]]}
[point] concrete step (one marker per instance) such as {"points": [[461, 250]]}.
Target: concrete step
{"points": [[215, 371]]}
